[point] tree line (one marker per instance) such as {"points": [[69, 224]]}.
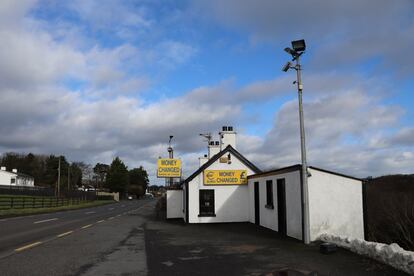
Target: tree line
{"points": [[45, 168]]}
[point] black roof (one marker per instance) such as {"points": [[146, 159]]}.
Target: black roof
{"points": [[24, 175], [213, 159], [298, 167]]}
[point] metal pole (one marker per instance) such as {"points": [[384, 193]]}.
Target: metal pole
{"points": [[58, 185], [306, 234], [171, 156], [68, 178]]}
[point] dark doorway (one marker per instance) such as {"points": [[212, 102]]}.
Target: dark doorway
{"points": [[281, 206], [256, 204]]}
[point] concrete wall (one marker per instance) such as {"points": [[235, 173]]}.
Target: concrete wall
{"points": [[269, 217], [174, 204], [335, 205], [115, 195], [231, 201]]}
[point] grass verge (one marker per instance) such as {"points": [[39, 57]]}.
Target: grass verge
{"points": [[25, 212]]}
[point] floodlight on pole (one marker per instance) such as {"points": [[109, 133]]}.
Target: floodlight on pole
{"points": [[299, 47]]}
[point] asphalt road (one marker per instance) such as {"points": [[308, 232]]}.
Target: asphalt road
{"points": [[78, 242], [133, 239]]}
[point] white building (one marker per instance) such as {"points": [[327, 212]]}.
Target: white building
{"points": [[216, 193], [15, 178], [201, 202], [335, 202]]}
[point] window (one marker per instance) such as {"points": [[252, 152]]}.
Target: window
{"points": [[207, 203], [269, 194], [12, 180]]}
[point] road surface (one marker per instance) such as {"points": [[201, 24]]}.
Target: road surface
{"points": [[78, 242], [131, 238]]}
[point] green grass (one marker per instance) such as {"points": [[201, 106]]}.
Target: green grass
{"points": [[25, 212]]}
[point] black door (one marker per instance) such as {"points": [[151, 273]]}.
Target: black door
{"points": [[256, 204], [281, 206]]}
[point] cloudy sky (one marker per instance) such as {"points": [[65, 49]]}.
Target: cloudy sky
{"points": [[95, 79]]}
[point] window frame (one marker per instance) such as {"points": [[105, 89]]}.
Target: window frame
{"points": [[269, 194], [212, 211]]}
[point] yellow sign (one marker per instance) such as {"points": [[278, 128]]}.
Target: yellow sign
{"points": [[169, 168], [225, 177]]}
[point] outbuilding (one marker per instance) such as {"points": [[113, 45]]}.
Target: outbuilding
{"points": [[335, 202], [15, 178], [229, 188]]}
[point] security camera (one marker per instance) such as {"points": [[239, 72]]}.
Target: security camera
{"points": [[286, 67]]}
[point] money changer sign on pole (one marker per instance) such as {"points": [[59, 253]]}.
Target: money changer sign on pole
{"points": [[169, 168], [225, 177]]}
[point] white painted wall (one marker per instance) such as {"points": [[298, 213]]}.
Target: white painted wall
{"points": [[5, 178], [174, 204], [213, 149], [269, 217], [335, 205], [25, 181], [227, 138], [231, 201]]}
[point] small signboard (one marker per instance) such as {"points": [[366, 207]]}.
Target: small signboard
{"points": [[225, 177], [167, 167]]}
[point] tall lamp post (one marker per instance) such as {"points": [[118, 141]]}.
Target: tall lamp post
{"points": [[171, 156], [298, 48]]}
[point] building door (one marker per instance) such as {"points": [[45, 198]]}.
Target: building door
{"points": [[281, 206], [256, 204]]}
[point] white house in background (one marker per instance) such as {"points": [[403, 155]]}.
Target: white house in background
{"points": [[335, 202], [15, 178], [219, 192]]}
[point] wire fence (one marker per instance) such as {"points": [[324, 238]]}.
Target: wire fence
{"points": [[14, 202]]}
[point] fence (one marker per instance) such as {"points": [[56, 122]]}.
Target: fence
{"points": [[36, 202], [44, 191]]}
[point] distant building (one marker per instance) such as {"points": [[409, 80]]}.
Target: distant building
{"points": [[15, 178], [229, 188]]}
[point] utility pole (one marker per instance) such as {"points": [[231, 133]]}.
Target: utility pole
{"points": [[68, 178], [171, 156], [58, 184], [299, 47]]}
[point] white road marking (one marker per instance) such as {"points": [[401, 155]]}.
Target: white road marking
{"points": [[64, 234], [91, 212], [46, 220], [86, 226], [99, 221], [27, 246], [111, 218]]}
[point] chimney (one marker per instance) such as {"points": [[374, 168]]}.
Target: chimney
{"points": [[213, 148], [3, 168], [202, 160], [14, 170], [227, 137]]}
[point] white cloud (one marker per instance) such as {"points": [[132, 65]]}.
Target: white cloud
{"points": [[44, 110]]}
